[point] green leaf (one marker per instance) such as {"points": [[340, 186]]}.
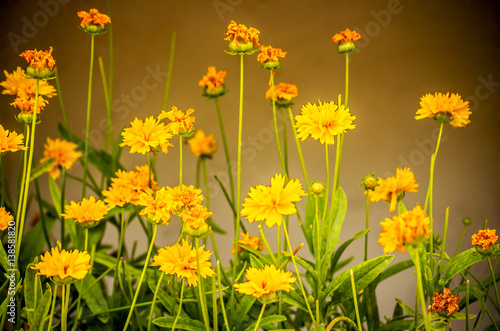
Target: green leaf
{"points": [[94, 297], [55, 194], [34, 239], [42, 168], [183, 323], [309, 218], [242, 310], [41, 312], [215, 227], [266, 320], [32, 290], [346, 244], [167, 300], [394, 269], [460, 262], [393, 325], [265, 258], [342, 264], [294, 299], [4, 260], [255, 262]]}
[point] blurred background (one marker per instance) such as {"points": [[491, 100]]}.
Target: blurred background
{"points": [[409, 48]]}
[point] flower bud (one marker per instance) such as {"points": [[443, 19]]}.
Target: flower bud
{"points": [[317, 187], [467, 221], [369, 182]]}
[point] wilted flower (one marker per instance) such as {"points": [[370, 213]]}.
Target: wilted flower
{"points": [[10, 141], [269, 57], [213, 83], [242, 40], [88, 213], [393, 189], [93, 22], [5, 219], [202, 145], [444, 109], [445, 304], [146, 136], [345, 40], [40, 63], [484, 240], [63, 151]]}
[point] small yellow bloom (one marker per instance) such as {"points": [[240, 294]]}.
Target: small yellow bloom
{"points": [[409, 228], [93, 22], [180, 123], [485, 238], [283, 92], [264, 283], [180, 260], [64, 267], [64, 152], [445, 304], [213, 82], [270, 203], [269, 57], [252, 242], [88, 212], [242, 39], [324, 121], [194, 219], [16, 84], [5, 219], [187, 197], [10, 141], [40, 63], [157, 206], [27, 106], [444, 109], [393, 189], [345, 40], [146, 136], [202, 145]]}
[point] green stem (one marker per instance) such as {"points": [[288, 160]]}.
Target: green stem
{"points": [[221, 297], [42, 214], [123, 227], [467, 307], [285, 144], [205, 182], [214, 306], [276, 133], [260, 316], [180, 163], [87, 128], [64, 307], [443, 245], [61, 102], [111, 59], [153, 303], [317, 226], [367, 224], [201, 287], [493, 280], [346, 97], [226, 149], [460, 240], [146, 262], [355, 299], [79, 300], [338, 159], [198, 166], [180, 305], [169, 72], [63, 190], [420, 289], [266, 244], [327, 187], [109, 125], [54, 297], [299, 149]]}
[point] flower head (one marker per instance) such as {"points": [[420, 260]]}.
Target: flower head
{"points": [[345, 40], [180, 260], [180, 123], [146, 136], [324, 121], [445, 304], [445, 109], [194, 219], [27, 107], [265, 282], [63, 151], [93, 22], [10, 141], [185, 197], [252, 242], [213, 83], [270, 203], [283, 94], [202, 145], [5, 219], [409, 228], [88, 212], [64, 267], [25, 88], [485, 239], [269, 57], [242, 39], [157, 206], [40, 63], [393, 189]]}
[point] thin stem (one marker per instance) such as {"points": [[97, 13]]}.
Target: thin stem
{"points": [[355, 299], [338, 159], [180, 305], [221, 297], [64, 308], [109, 125], [169, 72], [460, 240], [493, 280], [285, 144], [346, 97], [54, 297], [201, 287], [443, 245], [121, 239], [367, 223], [153, 303], [226, 149], [87, 128], [317, 226], [63, 190], [180, 163], [111, 58], [327, 187], [420, 289], [467, 307], [266, 244], [42, 214], [276, 133], [260, 316], [205, 182], [214, 306], [299, 150], [79, 300], [61, 102]]}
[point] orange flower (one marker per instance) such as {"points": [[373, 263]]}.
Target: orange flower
{"points": [[242, 39], [246, 240], [64, 152], [5, 219], [485, 238], [195, 221], [157, 208], [202, 145], [445, 303], [269, 57], [180, 123], [213, 79], [88, 212], [283, 92], [393, 189], [146, 136], [187, 197], [10, 141], [345, 40], [27, 106], [93, 22], [444, 109], [40, 63]]}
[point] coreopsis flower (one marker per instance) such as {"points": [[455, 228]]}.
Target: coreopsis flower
{"points": [[444, 109], [25, 88], [324, 121], [202, 145], [444, 304], [409, 228], [270, 203], [40, 63], [10, 141], [270, 57], [252, 242], [157, 206], [27, 107], [146, 136], [93, 22], [180, 260], [265, 282], [88, 212], [345, 40], [180, 123], [283, 94], [185, 197], [63, 151], [5, 219], [484, 240], [194, 219], [213, 83], [393, 188], [64, 267], [242, 40]]}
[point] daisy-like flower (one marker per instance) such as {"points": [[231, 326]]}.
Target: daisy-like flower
{"points": [[180, 260], [146, 136], [180, 123], [213, 83], [64, 267], [283, 92], [88, 212], [445, 109], [393, 189], [270, 57], [324, 121], [345, 40], [242, 39], [252, 242], [484, 239], [16, 84], [157, 206], [40, 63], [10, 141], [194, 219], [270, 203], [444, 304], [63, 151], [93, 22], [5, 219], [202, 145], [27, 106], [409, 228], [187, 197], [265, 282]]}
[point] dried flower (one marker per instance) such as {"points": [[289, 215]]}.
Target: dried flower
{"points": [[484, 240], [10, 141], [88, 212], [180, 123], [242, 40], [5, 219], [93, 22], [146, 136], [269, 57], [252, 242], [444, 109], [63, 151], [283, 94], [40, 63], [213, 83], [393, 189], [345, 40], [445, 304], [202, 145]]}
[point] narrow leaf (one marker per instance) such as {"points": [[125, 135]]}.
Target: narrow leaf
{"points": [[42, 168]]}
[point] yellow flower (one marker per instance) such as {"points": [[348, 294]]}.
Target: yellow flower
{"points": [[264, 283], [242, 39], [146, 136], [10, 141], [180, 260], [269, 57], [444, 109], [283, 92], [409, 228], [64, 152], [246, 240], [40, 63], [27, 106], [157, 208], [345, 40], [93, 22], [194, 219], [63, 266], [485, 238], [445, 303], [393, 189], [180, 123], [213, 82], [202, 145], [270, 203], [88, 213], [24, 88], [187, 197], [5, 219], [324, 121]]}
